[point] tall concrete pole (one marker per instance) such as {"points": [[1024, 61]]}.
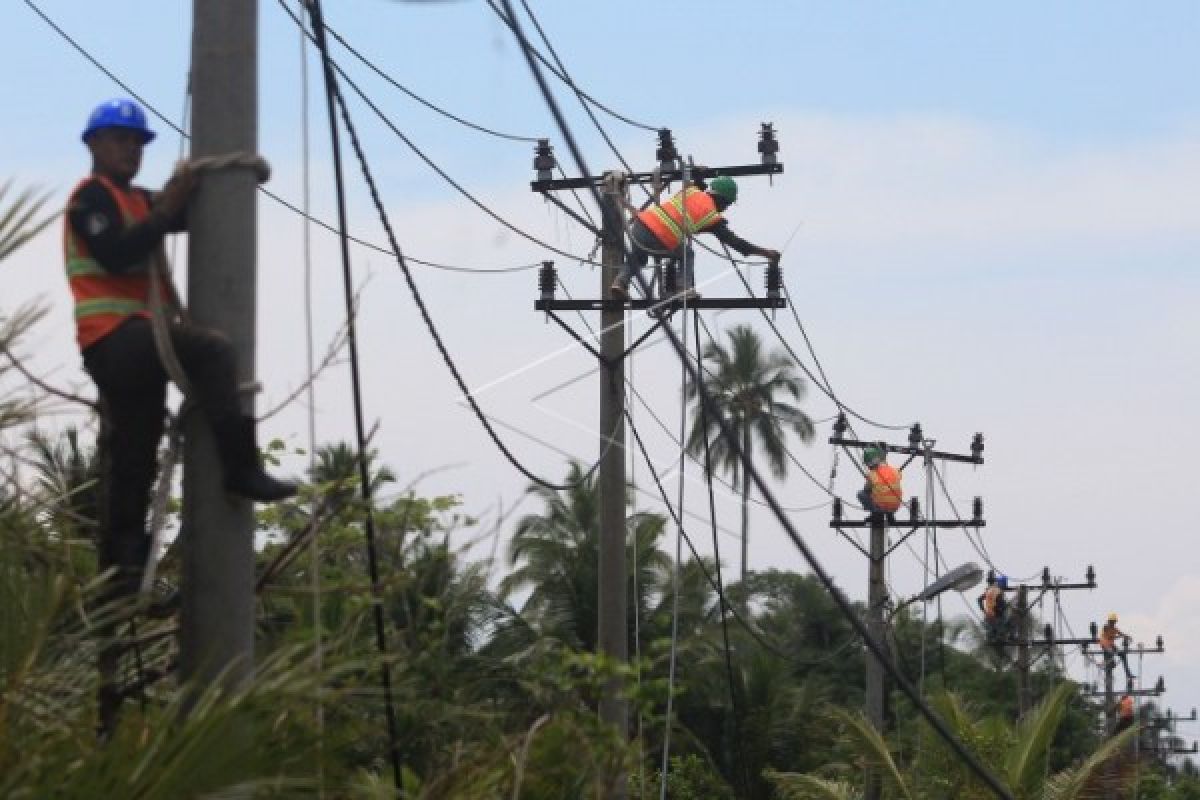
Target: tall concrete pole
{"points": [[876, 599], [217, 626], [1111, 772], [1023, 631], [612, 626]]}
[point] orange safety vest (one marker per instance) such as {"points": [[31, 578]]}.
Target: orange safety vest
{"points": [[103, 300], [886, 493], [1125, 707], [688, 212], [1108, 637], [991, 599]]}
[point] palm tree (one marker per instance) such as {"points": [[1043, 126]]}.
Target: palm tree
{"points": [[1017, 753], [753, 393], [556, 554]]}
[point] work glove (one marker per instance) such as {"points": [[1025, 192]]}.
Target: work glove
{"points": [[177, 191]]}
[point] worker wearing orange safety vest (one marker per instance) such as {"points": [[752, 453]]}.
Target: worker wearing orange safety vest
{"points": [[1124, 714], [112, 240], [994, 605], [665, 229], [1108, 645], [883, 493]]}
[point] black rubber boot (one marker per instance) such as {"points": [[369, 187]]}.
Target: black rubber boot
{"points": [[244, 474]]}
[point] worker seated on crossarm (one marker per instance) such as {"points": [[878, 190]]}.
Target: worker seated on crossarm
{"points": [[1124, 712], [994, 605], [1109, 635], [883, 493], [664, 229], [113, 239]]}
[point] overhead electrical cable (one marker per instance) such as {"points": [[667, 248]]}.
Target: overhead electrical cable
{"points": [[125, 87], [431, 106], [433, 165], [364, 477], [712, 515], [398, 254], [877, 649], [562, 76]]}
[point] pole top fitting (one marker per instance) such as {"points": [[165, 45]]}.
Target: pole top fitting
{"points": [[977, 448], [543, 160], [667, 155], [547, 280], [768, 145], [915, 435], [1091, 576], [840, 425]]}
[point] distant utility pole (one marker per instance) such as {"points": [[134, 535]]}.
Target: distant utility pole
{"points": [[612, 622], [217, 622], [612, 633], [1022, 631], [877, 595]]}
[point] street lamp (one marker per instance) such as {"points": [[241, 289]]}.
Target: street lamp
{"points": [[959, 579]]}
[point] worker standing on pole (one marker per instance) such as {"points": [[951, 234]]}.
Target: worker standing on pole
{"points": [[883, 493], [664, 229], [1108, 645], [113, 240], [994, 606]]}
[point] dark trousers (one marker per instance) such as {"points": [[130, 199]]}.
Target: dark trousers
{"points": [[1110, 661], [643, 243], [133, 391]]}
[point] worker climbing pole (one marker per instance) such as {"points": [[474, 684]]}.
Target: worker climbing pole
{"points": [[113, 242]]}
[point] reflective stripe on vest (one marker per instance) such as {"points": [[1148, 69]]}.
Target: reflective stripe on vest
{"points": [[1107, 638], [688, 212], [990, 598], [1127, 707], [104, 299], [886, 493]]}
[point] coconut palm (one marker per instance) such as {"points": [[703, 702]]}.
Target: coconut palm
{"points": [[17, 224], [1018, 754], [754, 393], [556, 555]]}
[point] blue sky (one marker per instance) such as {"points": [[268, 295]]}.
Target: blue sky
{"points": [[998, 230]]}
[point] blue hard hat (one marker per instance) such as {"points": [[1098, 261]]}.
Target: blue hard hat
{"points": [[118, 113], [1002, 581]]}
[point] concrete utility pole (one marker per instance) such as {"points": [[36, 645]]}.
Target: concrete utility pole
{"points": [[612, 633], [612, 580], [878, 551], [877, 597], [1021, 620], [217, 626]]}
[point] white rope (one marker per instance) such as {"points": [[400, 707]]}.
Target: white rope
{"points": [[675, 569], [314, 548]]}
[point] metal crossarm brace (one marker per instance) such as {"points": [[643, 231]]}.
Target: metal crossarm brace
{"points": [[1151, 692], [666, 176], [583, 342], [573, 214], [648, 304], [932, 523], [909, 450]]}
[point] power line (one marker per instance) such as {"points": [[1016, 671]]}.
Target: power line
{"points": [[876, 648], [385, 221], [365, 485], [129, 90], [431, 106], [445, 176], [562, 76]]}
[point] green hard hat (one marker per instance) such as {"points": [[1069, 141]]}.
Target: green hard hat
{"points": [[724, 187], [872, 456]]}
